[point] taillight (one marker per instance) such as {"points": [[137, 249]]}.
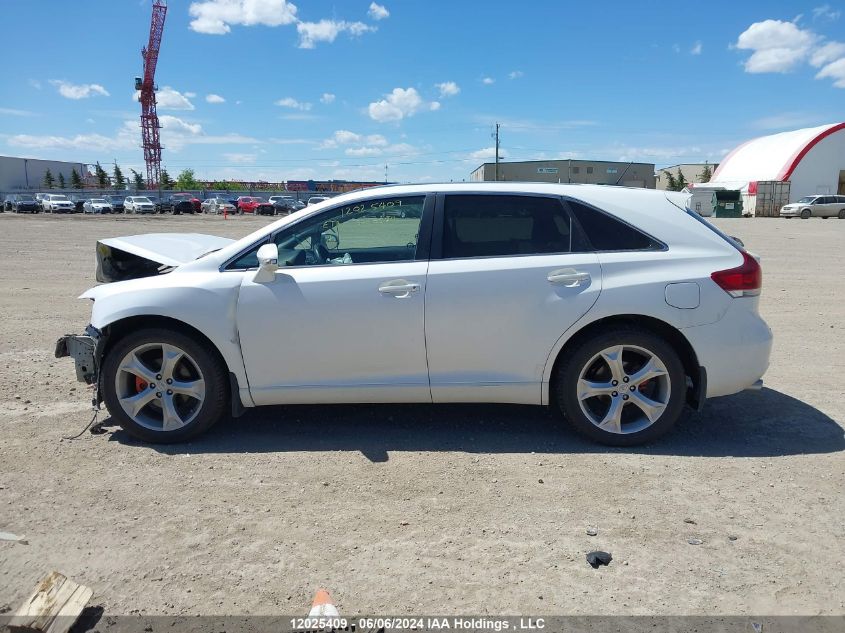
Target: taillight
{"points": [[742, 281]]}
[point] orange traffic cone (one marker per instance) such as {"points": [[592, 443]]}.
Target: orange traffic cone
{"points": [[225, 215], [322, 606]]}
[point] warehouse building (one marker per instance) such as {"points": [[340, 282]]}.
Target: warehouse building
{"points": [[28, 173], [600, 172], [693, 172], [772, 170]]}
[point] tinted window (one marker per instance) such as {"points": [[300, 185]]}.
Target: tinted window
{"points": [[499, 226], [606, 233]]}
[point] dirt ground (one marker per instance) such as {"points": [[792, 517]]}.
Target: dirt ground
{"points": [[426, 509]]}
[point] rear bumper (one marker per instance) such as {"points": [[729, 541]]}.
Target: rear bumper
{"points": [[734, 350]]}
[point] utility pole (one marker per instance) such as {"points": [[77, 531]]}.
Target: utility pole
{"points": [[385, 173], [496, 135]]}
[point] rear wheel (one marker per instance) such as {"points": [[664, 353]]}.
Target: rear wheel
{"points": [[842, 214], [805, 214], [624, 387], [161, 386]]}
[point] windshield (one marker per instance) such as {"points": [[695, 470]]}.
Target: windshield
{"points": [[58, 198], [98, 201], [26, 199], [806, 199], [142, 199]]}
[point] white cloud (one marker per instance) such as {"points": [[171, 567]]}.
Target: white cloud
{"points": [[696, 48], [213, 98], [14, 112], [240, 159], [448, 88], [346, 137], [327, 98], [777, 46], [827, 53], [327, 31], [780, 47], [835, 71], [290, 102], [168, 98], [487, 153], [515, 74], [215, 16], [78, 91], [175, 125], [826, 12], [400, 103], [487, 81], [378, 12], [190, 95]]}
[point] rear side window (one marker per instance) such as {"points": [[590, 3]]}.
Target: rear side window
{"points": [[607, 233], [500, 226]]}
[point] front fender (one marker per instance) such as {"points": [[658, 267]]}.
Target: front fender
{"points": [[206, 301]]}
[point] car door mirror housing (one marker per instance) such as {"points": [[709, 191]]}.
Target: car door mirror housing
{"points": [[268, 263]]}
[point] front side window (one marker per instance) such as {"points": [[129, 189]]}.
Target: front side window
{"points": [[366, 232], [501, 226]]}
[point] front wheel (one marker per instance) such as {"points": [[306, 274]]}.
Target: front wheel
{"points": [[842, 214], [805, 214], [161, 386], [623, 387]]}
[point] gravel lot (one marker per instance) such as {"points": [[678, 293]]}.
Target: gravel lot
{"points": [[423, 509]]}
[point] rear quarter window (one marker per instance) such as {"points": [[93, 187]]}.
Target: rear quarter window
{"points": [[607, 233]]}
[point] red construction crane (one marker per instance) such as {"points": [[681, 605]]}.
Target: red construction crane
{"points": [[146, 84]]}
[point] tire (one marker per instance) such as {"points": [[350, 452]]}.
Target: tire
{"points": [[197, 371], [667, 388], [805, 214], [842, 214]]}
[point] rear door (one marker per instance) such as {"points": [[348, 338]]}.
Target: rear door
{"points": [[509, 274]]}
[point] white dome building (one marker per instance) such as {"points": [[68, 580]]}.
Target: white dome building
{"points": [[811, 160]]}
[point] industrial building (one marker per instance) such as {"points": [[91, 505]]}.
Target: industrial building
{"points": [[600, 172], [772, 170], [693, 172], [28, 173]]}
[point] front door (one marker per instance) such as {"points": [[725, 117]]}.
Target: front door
{"points": [[343, 319]]}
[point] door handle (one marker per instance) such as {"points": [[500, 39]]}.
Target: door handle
{"points": [[399, 288], [568, 277]]}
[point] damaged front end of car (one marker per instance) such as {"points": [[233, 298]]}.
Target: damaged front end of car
{"points": [[86, 350]]}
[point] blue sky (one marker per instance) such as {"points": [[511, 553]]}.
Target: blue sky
{"points": [[315, 89]]}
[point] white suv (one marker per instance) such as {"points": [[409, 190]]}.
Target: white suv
{"points": [[138, 204], [615, 306], [57, 203]]}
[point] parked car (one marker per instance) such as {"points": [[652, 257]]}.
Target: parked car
{"points": [[78, 202], [138, 204], [283, 205], [116, 203], [265, 207], [316, 199], [217, 205], [820, 206], [21, 203], [57, 203], [248, 204], [178, 203], [156, 202], [97, 205], [615, 306], [38, 198]]}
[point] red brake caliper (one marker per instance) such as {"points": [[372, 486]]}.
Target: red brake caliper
{"points": [[140, 384]]}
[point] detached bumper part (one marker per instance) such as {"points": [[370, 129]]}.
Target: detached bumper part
{"points": [[83, 350]]}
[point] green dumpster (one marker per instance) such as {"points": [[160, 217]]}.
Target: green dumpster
{"points": [[728, 204]]}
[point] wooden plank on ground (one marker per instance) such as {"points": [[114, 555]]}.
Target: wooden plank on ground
{"points": [[52, 608]]}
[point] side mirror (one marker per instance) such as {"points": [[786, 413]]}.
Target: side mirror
{"points": [[268, 263]]}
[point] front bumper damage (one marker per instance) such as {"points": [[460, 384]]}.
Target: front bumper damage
{"points": [[86, 351]]}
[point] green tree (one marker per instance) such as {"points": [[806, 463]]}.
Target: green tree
{"points": [[75, 179], [166, 180], [706, 174], [119, 180], [61, 180], [48, 179], [186, 180], [102, 176], [137, 180], [682, 181], [671, 181]]}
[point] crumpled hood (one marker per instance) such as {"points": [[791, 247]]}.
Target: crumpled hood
{"points": [[136, 256]]}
